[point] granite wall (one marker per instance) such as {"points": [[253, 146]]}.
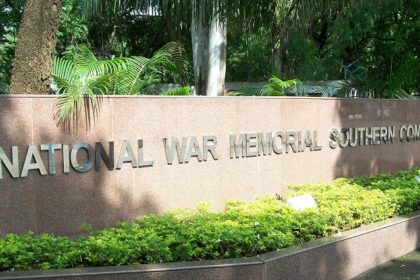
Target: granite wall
{"points": [[58, 203]]}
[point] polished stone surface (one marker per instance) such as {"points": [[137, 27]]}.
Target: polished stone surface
{"points": [[59, 204]]}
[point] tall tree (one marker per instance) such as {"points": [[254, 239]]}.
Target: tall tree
{"points": [[217, 55], [35, 46], [208, 36], [208, 33]]}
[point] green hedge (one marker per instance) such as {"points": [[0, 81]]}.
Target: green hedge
{"points": [[244, 229]]}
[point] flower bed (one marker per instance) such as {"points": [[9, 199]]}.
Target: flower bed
{"points": [[244, 229]]}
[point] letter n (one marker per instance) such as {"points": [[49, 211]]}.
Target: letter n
{"points": [[13, 168]]}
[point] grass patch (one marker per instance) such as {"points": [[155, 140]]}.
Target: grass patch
{"points": [[244, 229]]}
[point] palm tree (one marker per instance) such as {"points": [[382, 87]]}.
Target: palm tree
{"points": [[274, 87], [80, 80], [207, 20]]}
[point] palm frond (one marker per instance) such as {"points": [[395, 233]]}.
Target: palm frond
{"points": [[63, 70], [128, 80], [275, 87], [81, 79], [318, 88], [141, 72], [365, 88], [171, 60], [181, 91], [89, 66], [78, 83], [402, 94], [278, 87]]}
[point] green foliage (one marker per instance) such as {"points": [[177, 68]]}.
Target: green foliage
{"points": [[305, 61], [373, 44], [10, 13], [249, 56], [386, 44], [133, 27], [310, 41], [73, 29], [274, 87], [7, 49], [277, 86], [82, 78], [244, 229], [178, 91], [4, 88], [29, 252], [141, 72]]}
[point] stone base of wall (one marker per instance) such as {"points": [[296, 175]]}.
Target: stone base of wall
{"points": [[341, 256]]}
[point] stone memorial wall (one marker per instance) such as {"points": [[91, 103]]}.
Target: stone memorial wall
{"points": [[143, 155]]}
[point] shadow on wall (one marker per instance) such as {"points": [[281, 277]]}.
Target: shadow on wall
{"points": [[17, 201], [413, 229], [374, 159], [395, 269], [326, 262], [54, 203]]}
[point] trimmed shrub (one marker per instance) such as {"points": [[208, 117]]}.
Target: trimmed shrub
{"points": [[243, 229]]}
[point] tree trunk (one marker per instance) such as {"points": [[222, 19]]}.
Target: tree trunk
{"points": [[279, 55], [169, 24], [199, 33], [276, 57], [35, 46], [209, 50], [112, 37], [217, 57]]}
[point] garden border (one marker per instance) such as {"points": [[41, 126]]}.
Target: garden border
{"points": [[341, 256]]}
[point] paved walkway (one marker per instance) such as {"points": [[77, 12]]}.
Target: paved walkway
{"points": [[404, 268]]}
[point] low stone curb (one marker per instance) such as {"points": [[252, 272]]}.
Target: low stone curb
{"points": [[341, 256]]}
